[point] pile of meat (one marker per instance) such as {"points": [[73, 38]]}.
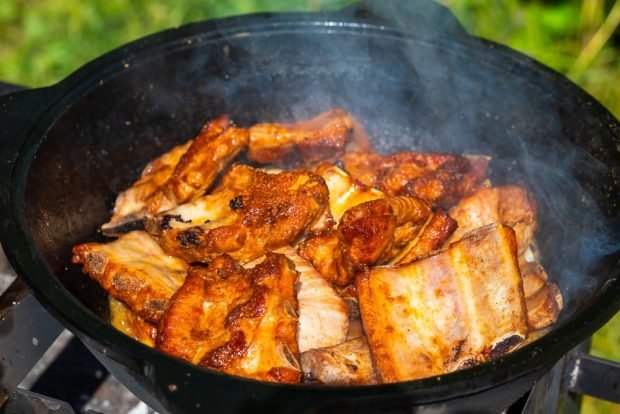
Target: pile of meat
{"points": [[347, 267]]}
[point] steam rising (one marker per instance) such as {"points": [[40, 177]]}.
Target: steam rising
{"points": [[432, 88], [438, 90]]}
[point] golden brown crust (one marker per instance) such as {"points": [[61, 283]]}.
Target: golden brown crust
{"points": [[543, 299], [140, 195], [458, 307], [182, 174], [134, 270], [439, 179], [367, 235], [271, 211], [435, 310], [236, 320], [322, 137], [432, 237], [216, 145]]}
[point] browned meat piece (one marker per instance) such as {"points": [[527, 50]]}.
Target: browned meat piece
{"points": [[322, 251], [271, 211], [348, 363], [459, 307], [322, 137], [432, 237], [239, 321], [517, 208], [181, 175], [511, 204], [543, 299], [439, 179], [134, 270], [152, 179], [123, 319], [323, 319], [368, 231], [544, 306], [533, 275], [216, 145], [368, 234]]}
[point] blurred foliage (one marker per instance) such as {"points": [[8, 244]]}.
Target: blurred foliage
{"points": [[578, 38], [42, 41]]}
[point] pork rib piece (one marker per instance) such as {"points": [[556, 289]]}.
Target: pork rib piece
{"points": [[265, 211], [439, 179], [462, 306], [512, 204], [181, 175], [239, 321], [322, 137], [369, 233], [134, 270]]}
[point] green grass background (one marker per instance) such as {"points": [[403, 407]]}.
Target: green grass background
{"points": [[42, 41]]}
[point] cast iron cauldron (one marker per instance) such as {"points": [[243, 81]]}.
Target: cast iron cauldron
{"points": [[415, 80]]}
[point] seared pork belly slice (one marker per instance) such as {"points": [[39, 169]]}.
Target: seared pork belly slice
{"points": [[348, 363], [459, 307], [271, 210], [239, 321], [123, 319], [322, 137], [369, 233], [134, 270], [344, 193], [323, 319], [182, 175], [439, 179], [513, 205]]}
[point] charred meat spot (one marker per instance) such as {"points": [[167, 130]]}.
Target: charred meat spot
{"points": [[236, 203], [352, 367], [190, 237], [501, 348], [468, 363], [166, 219], [253, 308], [222, 356], [456, 350]]}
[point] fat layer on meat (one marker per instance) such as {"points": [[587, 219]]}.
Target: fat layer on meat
{"points": [[344, 192], [134, 270], [348, 363], [323, 318], [513, 205], [459, 307]]}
